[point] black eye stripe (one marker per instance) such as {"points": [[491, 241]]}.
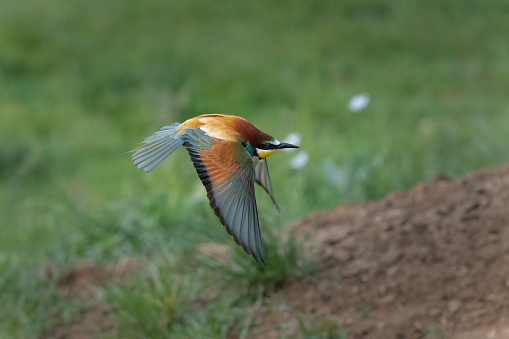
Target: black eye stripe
{"points": [[266, 146]]}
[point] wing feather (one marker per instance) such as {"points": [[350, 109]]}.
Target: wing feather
{"points": [[229, 207], [235, 220], [228, 174], [157, 147]]}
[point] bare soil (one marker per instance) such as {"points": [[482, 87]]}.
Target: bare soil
{"points": [[429, 263]]}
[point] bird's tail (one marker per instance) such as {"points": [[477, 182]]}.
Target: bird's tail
{"points": [[157, 147]]}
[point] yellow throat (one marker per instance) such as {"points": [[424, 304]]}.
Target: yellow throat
{"points": [[263, 153]]}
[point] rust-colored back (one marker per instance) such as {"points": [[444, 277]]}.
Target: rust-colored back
{"points": [[227, 127]]}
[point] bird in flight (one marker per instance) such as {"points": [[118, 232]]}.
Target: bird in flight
{"points": [[229, 155]]}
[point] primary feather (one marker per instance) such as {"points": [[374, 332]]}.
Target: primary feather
{"points": [[157, 147]]}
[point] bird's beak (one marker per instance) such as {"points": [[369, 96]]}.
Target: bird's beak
{"points": [[285, 145]]}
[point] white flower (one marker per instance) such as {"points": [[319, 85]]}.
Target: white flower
{"points": [[300, 160], [359, 102], [293, 138]]}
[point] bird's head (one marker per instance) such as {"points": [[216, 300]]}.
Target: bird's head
{"points": [[269, 147], [256, 141]]}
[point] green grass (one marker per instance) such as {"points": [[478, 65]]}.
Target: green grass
{"points": [[31, 304], [82, 82]]}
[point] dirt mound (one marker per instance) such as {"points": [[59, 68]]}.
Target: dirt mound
{"points": [[429, 263]]}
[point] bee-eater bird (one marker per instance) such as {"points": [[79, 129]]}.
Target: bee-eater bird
{"points": [[229, 155]]}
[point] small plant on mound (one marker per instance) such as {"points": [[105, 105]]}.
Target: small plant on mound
{"points": [[145, 304], [285, 260], [326, 329]]}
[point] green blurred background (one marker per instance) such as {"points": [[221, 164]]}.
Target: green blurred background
{"points": [[82, 82]]}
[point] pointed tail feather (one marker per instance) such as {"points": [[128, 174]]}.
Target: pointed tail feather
{"points": [[157, 147]]}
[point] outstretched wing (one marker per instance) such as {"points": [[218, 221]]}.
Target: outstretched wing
{"points": [[157, 147], [263, 178], [227, 172]]}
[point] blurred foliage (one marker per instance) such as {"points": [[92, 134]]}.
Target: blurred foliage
{"points": [[82, 82], [31, 304], [164, 303]]}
